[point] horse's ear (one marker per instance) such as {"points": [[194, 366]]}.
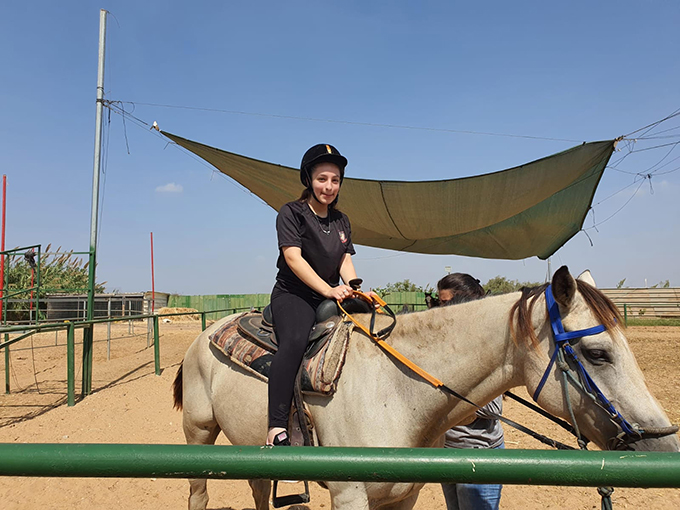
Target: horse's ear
{"points": [[585, 276], [563, 286]]}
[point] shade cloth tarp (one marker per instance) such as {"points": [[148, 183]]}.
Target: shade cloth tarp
{"points": [[532, 209]]}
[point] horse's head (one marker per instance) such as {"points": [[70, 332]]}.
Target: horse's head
{"points": [[608, 374]]}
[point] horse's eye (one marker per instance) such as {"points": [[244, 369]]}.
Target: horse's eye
{"points": [[597, 356]]}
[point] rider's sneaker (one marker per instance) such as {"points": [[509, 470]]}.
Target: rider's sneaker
{"points": [[282, 439]]}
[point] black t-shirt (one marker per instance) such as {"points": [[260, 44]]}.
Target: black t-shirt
{"points": [[323, 242]]}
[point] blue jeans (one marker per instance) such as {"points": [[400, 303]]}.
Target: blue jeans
{"points": [[468, 496]]}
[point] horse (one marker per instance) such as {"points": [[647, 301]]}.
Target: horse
{"points": [[480, 349]]}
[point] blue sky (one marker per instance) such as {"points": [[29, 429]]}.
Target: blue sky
{"points": [[576, 71]]}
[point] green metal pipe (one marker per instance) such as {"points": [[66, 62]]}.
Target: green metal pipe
{"points": [[156, 346], [32, 332], [7, 367], [81, 324], [37, 283], [20, 250], [202, 321], [70, 365], [427, 465], [625, 314], [86, 383], [21, 291]]}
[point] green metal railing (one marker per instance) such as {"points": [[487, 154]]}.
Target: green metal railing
{"points": [[70, 327], [6, 295], [425, 465]]}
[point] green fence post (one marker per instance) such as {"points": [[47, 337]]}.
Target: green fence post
{"points": [[88, 336], [7, 364], [71, 365], [156, 346], [202, 321], [625, 314]]}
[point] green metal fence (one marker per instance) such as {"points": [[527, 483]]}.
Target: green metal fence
{"points": [[398, 301], [24, 332], [226, 302], [425, 465]]}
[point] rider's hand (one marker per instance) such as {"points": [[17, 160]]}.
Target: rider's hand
{"points": [[340, 293], [373, 295]]}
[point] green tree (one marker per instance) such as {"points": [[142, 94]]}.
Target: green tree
{"points": [[501, 285], [402, 286]]}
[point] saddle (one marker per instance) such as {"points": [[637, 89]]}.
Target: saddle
{"points": [[259, 328]]}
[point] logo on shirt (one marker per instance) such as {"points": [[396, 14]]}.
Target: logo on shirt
{"points": [[343, 237]]}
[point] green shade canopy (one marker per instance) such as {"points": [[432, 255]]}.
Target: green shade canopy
{"points": [[532, 209]]}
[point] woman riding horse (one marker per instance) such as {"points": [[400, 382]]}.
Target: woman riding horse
{"points": [[315, 249]]}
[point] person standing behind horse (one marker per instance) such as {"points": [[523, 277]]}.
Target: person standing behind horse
{"points": [[315, 249], [484, 431]]}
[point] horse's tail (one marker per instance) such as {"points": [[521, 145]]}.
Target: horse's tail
{"points": [[177, 388]]}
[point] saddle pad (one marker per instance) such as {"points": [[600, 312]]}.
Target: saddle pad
{"points": [[320, 373]]}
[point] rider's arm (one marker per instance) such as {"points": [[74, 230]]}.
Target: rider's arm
{"points": [[347, 271], [304, 271]]}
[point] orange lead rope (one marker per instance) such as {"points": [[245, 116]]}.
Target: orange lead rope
{"points": [[379, 339], [384, 333]]}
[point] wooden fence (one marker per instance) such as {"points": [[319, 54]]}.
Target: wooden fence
{"points": [[644, 302]]}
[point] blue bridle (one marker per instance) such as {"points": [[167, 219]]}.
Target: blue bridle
{"points": [[563, 349]]}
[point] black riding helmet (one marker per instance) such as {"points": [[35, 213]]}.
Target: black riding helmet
{"points": [[318, 154]]}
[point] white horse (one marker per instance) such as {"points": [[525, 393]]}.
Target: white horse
{"points": [[379, 402]]}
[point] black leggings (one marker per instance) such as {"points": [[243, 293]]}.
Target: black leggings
{"points": [[293, 320]]}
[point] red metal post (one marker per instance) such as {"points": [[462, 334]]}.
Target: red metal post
{"points": [[153, 284], [30, 303], [2, 245]]}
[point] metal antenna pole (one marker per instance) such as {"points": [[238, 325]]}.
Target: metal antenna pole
{"points": [[88, 333]]}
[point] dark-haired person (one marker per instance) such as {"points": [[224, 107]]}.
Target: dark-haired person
{"points": [[315, 249], [484, 431]]}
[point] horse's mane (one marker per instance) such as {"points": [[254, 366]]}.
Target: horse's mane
{"points": [[520, 314]]}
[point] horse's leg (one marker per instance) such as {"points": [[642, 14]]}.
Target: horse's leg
{"points": [[348, 496], [261, 490], [204, 433], [404, 504], [198, 419]]}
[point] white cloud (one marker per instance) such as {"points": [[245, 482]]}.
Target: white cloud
{"points": [[170, 187]]}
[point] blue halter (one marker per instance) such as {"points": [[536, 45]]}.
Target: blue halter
{"points": [[585, 382]]}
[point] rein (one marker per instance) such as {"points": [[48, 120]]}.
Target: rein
{"points": [[379, 337]]}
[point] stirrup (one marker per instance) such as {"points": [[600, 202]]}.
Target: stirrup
{"points": [[291, 499], [282, 439]]}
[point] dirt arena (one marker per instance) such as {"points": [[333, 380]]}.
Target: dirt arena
{"points": [[130, 404]]}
